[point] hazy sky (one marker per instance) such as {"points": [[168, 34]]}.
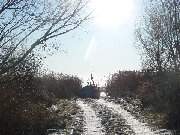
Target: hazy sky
{"points": [[102, 46]]}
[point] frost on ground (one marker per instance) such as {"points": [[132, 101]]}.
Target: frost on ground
{"points": [[92, 122], [138, 127], [113, 123], [102, 117]]}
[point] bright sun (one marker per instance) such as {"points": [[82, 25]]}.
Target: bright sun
{"points": [[112, 12]]}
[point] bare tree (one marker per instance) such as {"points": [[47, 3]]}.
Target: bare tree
{"points": [[159, 35], [28, 24]]}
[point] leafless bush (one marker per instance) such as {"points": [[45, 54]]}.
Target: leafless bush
{"points": [[159, 92], [62, 86], [123, 83]]}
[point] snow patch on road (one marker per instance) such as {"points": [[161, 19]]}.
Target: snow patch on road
{"points": [[92, 122], [138, 127]]}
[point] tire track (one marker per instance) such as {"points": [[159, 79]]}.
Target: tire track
{"points": [[112, 123], [138, 127], [92, 122]]}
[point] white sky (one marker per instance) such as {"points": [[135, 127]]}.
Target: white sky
{"points": [[102, 46]]}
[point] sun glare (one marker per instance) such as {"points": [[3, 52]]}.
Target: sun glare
{"points": [[112, 12]]}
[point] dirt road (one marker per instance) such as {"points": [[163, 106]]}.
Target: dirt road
{"points": [[102, 117]]}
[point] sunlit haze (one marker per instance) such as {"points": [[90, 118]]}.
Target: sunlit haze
{"points": [[102, 46], [110, 13]]}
